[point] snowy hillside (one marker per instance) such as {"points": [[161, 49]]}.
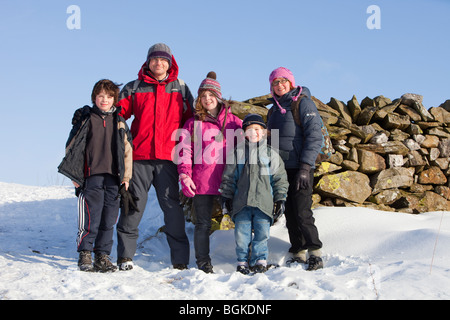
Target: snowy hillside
{"points": [[367, 254]]}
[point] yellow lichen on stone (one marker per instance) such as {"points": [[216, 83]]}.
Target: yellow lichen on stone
{"points": [[334, 181]]}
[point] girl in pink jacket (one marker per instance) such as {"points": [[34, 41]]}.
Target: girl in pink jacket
{"points": [[201, 154]]}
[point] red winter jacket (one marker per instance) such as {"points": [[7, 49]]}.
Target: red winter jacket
{"points": [[158, 110]]}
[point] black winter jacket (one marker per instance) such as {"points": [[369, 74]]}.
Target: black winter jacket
{"points": [[296, 144], [73, 164]]}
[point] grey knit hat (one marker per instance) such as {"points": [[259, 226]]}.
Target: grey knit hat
{"points": [[160, 50]]}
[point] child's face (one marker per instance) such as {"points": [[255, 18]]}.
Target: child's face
{"points": [[104, 101], [208, 100], [254, 132]]}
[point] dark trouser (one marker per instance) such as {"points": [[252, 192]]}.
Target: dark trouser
{"points": [[302, 231], [164, 177], [203, 205], [98, 209]]}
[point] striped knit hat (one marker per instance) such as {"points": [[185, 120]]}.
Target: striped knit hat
{"points": [[211, 84]]}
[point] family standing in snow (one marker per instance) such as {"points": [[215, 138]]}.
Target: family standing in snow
{"points": [[255, 179]]}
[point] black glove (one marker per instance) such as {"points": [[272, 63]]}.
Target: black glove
{"points": [[78, 191], [80, 114], [278, 209], [227, 205], [127, 200], [303, 178]]}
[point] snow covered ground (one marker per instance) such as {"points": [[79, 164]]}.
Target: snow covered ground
{"points": [[368, 255]]}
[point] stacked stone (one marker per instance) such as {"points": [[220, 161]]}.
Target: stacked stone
{"points": [[390, 155]]}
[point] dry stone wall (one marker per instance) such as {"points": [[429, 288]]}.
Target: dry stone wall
{"points": [[389, 155]]}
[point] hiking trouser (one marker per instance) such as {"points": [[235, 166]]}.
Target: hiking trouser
{"points": [[98, 209], [163, 175], [202, 205], [303, 233]]}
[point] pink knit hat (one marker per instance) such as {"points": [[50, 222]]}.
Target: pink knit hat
{"points": [[211, 84], [283, 73]]}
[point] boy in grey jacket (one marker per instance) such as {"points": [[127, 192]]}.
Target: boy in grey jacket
{"points": [[252, 182]]}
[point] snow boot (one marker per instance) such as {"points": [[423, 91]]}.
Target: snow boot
{"points": [[85, 261], [125, 264], [294, 261], [180, 266], [103, 264], [314, 263], [206, 267], [259, 268], [243, 269], [299, 257]]}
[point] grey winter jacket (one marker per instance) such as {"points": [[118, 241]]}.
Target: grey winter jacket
{"points": [[257, 177], [296, 144]]}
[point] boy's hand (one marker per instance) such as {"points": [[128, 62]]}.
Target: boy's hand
{"points": [[77, 188], [227, 205], [278, 209]]}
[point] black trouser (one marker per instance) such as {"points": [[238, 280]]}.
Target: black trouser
{"points": [[163, 175], [203, 205], [303, 233], [98, 209]]}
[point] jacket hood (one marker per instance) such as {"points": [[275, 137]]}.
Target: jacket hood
{"points": [[306, 92], [145, 74], [224, 112]]}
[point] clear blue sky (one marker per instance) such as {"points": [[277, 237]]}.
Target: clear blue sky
{"points": [[48, 70]]}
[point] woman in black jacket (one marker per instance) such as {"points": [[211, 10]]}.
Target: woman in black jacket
{"points": [[299, 146]]}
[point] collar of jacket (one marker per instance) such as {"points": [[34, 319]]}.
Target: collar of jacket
{"points": [[286, 99], [103, 113], [221, 119], [224, 109], [261, 143], [246, 150]]}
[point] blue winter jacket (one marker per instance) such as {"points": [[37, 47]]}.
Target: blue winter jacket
{"points": [[296, 144]]}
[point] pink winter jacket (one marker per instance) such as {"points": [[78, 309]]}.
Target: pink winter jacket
{"points": [[201, 152]]}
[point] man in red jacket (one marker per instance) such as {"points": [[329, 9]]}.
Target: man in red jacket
{"points": [[160, 103]]}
